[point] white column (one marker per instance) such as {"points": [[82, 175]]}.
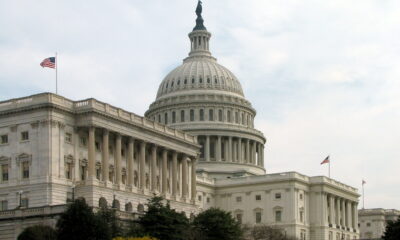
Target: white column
{"points": [[174, 174], [349, 221], [164, 171], [332, 210], [105, 155], [153, 168], [131, 150], [343, 212], [230, 149], [337, 201], [91, 153], [240, 154], [142, 172], [355, 215], [184, 176], [248, 151], [207, 149], [219, 148], [234, 151], [118, 158], [194, 192]]}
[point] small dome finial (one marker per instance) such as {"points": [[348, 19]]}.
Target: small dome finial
{"points": [[199, 20]]}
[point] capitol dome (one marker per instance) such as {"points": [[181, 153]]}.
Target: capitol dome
{"points": [[205, 99]]}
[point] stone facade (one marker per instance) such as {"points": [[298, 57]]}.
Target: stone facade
{"points": [[373, 221], [54, 149]]}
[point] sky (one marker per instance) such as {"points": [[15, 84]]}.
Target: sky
{"points": [[324, 76]]}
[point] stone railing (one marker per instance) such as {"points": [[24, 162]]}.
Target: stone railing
{"points": [[323, 179], [263, 178], [90, 105], [31, 212]]}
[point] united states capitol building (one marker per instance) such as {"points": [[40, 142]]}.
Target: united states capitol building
{"points": [[196, 145]]}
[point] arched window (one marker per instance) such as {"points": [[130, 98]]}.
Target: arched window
{"points": [[173, 117], [220, 115], [191, 115], [185, 82], [116, 204], [208, 80], [215, 80], [182, 115], [179, 82], [201, 114], [140, 208], [211, 115], [192, 79], [172, 83], [166, 86], [229, 116], [128, 207], [201, 80], [103, 202]]}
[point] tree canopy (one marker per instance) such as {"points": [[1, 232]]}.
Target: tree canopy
{"points": [[215, 224], [38, 232], [392, 231]]}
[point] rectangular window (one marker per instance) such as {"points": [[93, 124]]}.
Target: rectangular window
{"points": [[98, 173], [159, 118], [243, 119], [173, 117], [236, 117], [258, 197], [301, 196], [4, 172], [4, 205], [239, 217], [202, 150], [301, 216], [25, 136], [166, 118], [238, 199], [83, 172], [25, 170], [199, 198], [4, 139], [201, 114], [24, 202], [182, 116], [68, 137], [97, 145], [229, 116], [123, 152], [68, 171], [208, 200], [278, 196], [278, 216], [211, 115], [82, 141], [258, 217], [220, 115], [191, 115]]}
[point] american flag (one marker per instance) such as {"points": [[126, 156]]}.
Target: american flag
{"points": [[49, 62], [326, 160], [363, 182]]}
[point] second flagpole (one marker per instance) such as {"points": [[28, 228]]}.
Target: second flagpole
{"points": [[56, 63]]}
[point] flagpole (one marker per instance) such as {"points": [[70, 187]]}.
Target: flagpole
{"points": [[363, 195], [56, 74], [329, 169]]}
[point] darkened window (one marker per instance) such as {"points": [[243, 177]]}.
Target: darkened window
{"points": [[199, 198], [4, 205], [173, 117], [185, 82], [201, 114], [229, 116], [239, 217], [208, 80], [25, 170], [82, 141], [201, 80], [166, 118], [192, 80], [24, 136], [258, 217], [4, 139], [212, 150], [182, 116], [191, 115], [208, 200], [236, 117], [278, 215], [220, 115], [258, 197], [202, 150], [238, 199], [211, 115], [4, 172], [68, 137], [278, 196], [179, 82], [243, 118], [159, 118], [24, 202]]}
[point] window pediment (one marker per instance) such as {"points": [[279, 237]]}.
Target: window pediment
{"points": [[69, 158], [24, 157], [278, 208], [5, 160], [83, 162]]}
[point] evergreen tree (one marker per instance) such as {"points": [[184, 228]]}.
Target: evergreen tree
{"points": [[216, 224], [109, 217], [162, 222], [39, 232], [392, 231], [79, 222]]}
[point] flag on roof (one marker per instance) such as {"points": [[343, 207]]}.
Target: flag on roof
{"points": [[363, 182], [326, 160], [49, 62]]}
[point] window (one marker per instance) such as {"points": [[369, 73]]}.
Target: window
{"points": [[182, 116], [202, 150], [82, 141], [301, 216], [97, 145], [229, 116], [24, 202], [191, 115], [211, 115], [68, 170], [201, 114], [220, 115], [258, 197], [199, 197], [173, 117], [68, 137], [201, 80], [368, 224], [238, 199], [98, 173], [4, 139], [301, 196], [239, 217], [3, 205], [25, 170], [208, 200], [278, 196], [236, 117], [278, 215], [303, 234], [258, 217], [242, 118], [4, 172], [166, 118], [208, 80], [83, 172], [123, 152], [159, 118], [25, 136]]}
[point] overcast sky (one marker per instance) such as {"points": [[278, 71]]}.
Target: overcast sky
{"points": [[324, 76]]}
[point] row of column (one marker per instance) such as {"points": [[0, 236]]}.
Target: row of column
{"points": [[342, 212], [142, 162], [241, 150]]}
